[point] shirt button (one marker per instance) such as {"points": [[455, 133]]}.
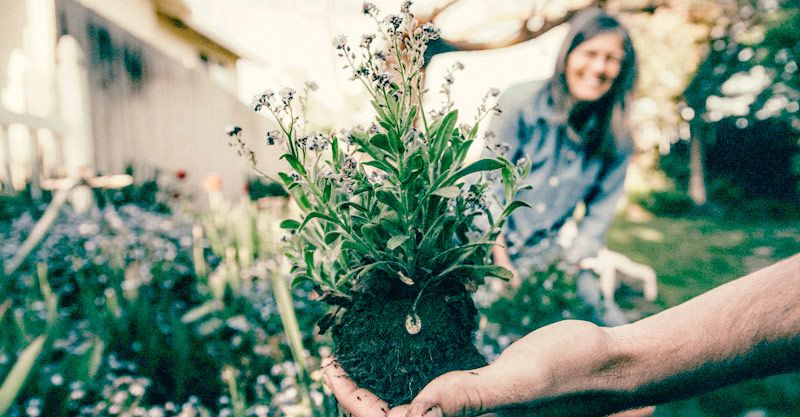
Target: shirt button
{"points": [[552, 181], [541, 207]]}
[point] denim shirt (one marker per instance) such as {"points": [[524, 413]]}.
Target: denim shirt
{"points": [[562, 175]]}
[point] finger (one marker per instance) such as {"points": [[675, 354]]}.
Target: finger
{"points": [[424, 409], [399, 411], [328, 361], [356, 401]]}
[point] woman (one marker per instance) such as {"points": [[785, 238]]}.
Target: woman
{"points": [[572, 130]]}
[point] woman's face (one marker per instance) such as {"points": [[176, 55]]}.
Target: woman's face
{"points": [[593, 66]]}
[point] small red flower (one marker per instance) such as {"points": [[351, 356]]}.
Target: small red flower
{"points": [[180, 174]]}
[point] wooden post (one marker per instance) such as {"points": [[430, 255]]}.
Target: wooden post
{"points": [[73, 96], [6, 162], [36, 164], [697, 180]]}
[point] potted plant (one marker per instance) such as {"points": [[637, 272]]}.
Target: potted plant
{"points": [[395, 232]]}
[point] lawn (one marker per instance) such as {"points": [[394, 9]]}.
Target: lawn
{"points": [[693, 255]]}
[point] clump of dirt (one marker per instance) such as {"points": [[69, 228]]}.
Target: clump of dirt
{"points": [[374, 346]]}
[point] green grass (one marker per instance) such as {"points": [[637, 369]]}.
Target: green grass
{"points": [[693, 255]]}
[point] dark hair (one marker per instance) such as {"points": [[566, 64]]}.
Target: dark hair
{"points": [[610, 135]]}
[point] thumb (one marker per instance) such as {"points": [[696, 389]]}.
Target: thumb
{"points": [[456, 393]]}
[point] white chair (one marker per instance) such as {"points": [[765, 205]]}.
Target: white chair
{"points": [[609, 264]]}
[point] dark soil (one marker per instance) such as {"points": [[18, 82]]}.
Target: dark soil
{"points": [[373, 346]]}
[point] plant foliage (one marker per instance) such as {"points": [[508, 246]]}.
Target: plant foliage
{"points": [[399, 198]]}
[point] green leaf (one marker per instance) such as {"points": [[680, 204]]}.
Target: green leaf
{"points": [[386, 125], [406, 280], [331, 237], [349, 244], [287, 180], [308, 255], [354, 205], [388, 198], [412, 176], [202, 311], [411, 115], [381, 142], [19, 373], [315, 215], [486, 270], [463, 150], [444, 133], [499, 272], [295, 163], [508, 185], [382, 165], [485, 164], [289, 224], [299, 279], [335, 151], [326, 192], [381, 112], [468, 248], [448, 192], [473, 132], [448, 123], [513, 206], [396, 241]]}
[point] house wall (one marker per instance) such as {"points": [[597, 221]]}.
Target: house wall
{"points": [[149, 110], [139, 19]]}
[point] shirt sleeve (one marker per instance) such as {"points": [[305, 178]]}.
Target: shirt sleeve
{"points": [[600, 209]]}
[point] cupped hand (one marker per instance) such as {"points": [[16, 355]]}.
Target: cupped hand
{"points": [[530, 377], [356, 401], [525, 380]]}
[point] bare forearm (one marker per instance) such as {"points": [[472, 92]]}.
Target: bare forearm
{"points": [[747, 328], [744, 329]]}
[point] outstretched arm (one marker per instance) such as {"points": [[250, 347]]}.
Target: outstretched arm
{"points": [[745, 329]]}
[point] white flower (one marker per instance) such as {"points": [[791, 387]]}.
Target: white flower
{"points": [[340, 42]]}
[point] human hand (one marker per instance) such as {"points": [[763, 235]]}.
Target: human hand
{"points": [[355, 401], [531, 377], [539, 374]]}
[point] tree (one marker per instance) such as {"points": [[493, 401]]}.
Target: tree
{"points": [[750, 56]]}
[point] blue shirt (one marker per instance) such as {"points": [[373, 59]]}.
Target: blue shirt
{"points": [[562, 175]]}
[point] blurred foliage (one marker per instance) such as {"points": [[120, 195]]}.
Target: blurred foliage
{"points": [[153, 319], [749, 172], [670, 203], [546, 296], [12, 205], [259, 188], [153, 191]]}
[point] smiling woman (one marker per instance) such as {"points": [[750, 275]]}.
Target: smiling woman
{"points": [[572, 129], [594, 65]]}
